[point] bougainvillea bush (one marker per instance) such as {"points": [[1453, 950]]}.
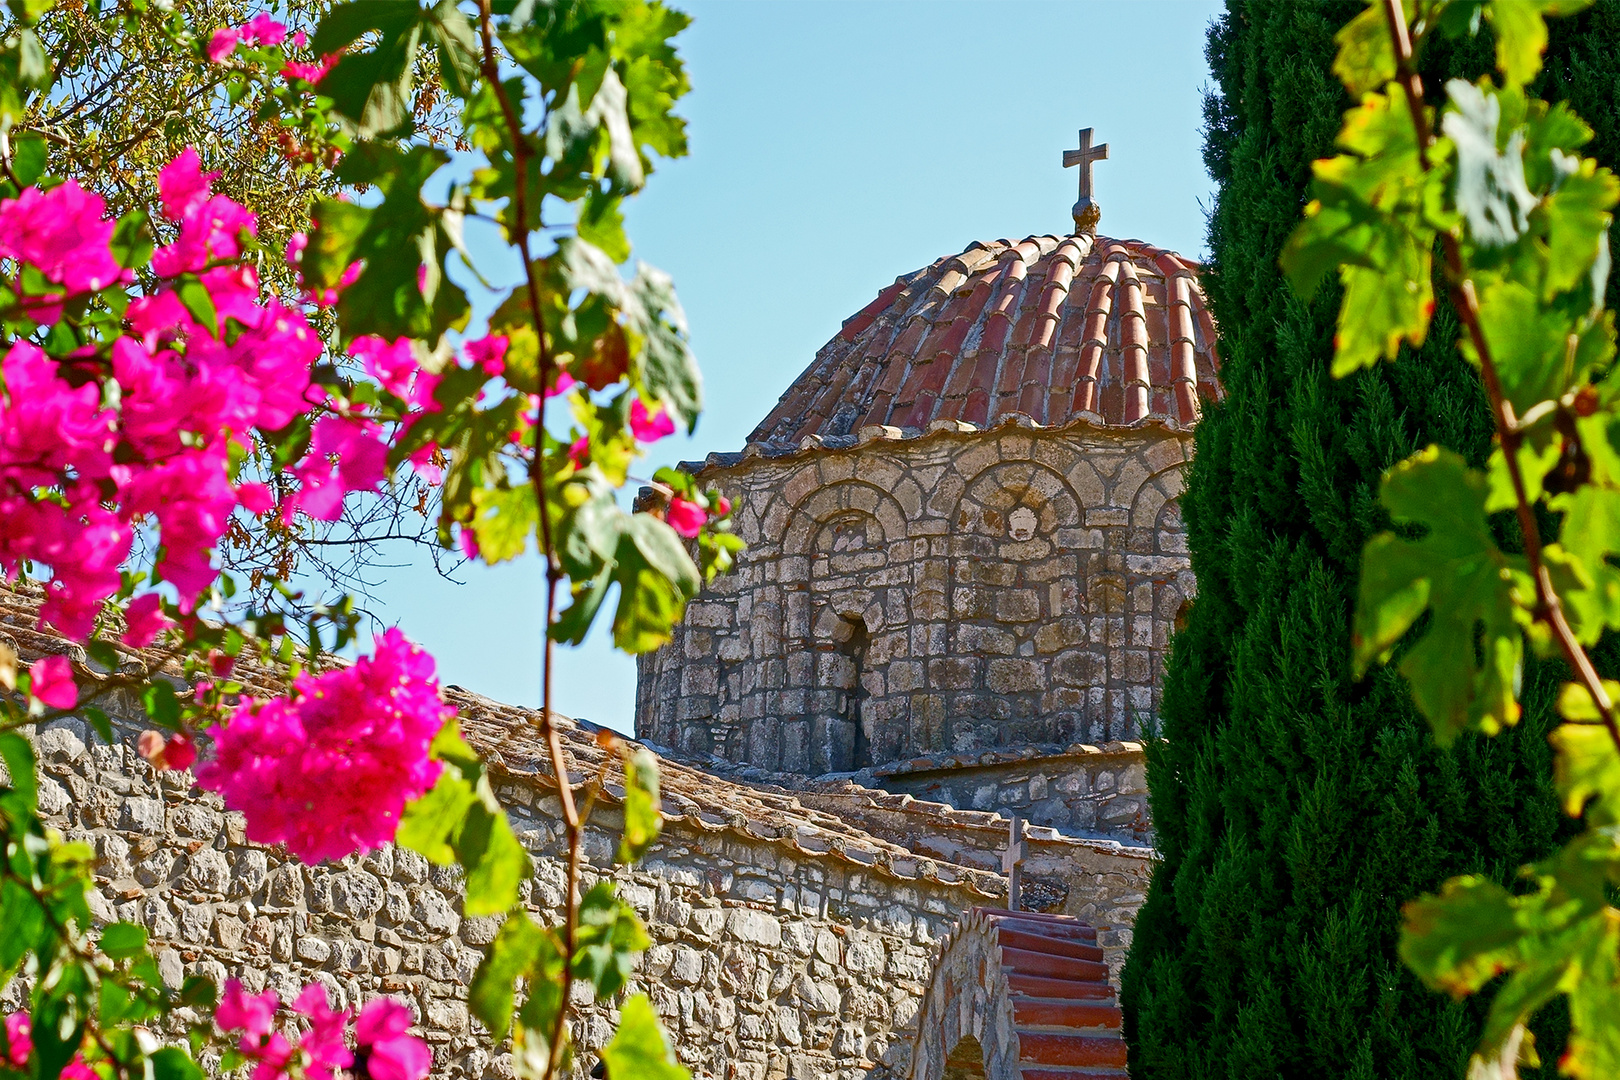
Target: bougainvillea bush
{"points": [[167, 378]]}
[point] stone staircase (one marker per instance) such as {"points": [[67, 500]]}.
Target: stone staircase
{"points": [[1020, 995]]}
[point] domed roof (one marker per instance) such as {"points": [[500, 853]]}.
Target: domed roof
{"points": [[1057, 329]]}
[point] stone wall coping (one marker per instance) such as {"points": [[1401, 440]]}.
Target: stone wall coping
{"points": [[1013, 756], [961, 429], [509, 738]]}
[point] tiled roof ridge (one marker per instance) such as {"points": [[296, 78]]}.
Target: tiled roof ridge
{"points": [[1050, 327], [852, 797], [499, 732], [1008, 756]]}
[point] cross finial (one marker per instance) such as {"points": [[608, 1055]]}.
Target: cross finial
{"points": [[1016, 850], [1086, 211]]}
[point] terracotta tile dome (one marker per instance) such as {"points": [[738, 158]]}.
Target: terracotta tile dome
{"points": [[1057, 329]]}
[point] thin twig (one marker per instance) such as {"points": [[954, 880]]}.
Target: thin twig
{"points": [[1510, 434], [518, 233]]}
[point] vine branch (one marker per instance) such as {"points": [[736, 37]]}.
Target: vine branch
{"points": [[1510, 433]]}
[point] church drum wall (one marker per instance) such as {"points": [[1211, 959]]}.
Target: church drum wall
{"points": [[952, 592]]}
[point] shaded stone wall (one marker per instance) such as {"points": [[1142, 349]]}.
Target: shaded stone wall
{"points": [[956, 591], [771, 958], [1083, 791]]}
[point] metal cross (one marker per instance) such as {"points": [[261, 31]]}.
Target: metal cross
{"points": [[1086, 212], [1015, 853]]}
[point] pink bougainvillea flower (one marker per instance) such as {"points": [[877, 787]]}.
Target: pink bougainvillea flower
{"points": [[64, 233], [178, 751], [324, 1042], [467, 540], [649, 427], [252, 1013], [345, 454], [263, 30], [579, 451], [565, 382], [19, 1040], [50, 679], [722, 507], [489, 353], [255, 498], [183, 186], [685, 517], [328, 771], [223, 43], [396, 370], [390, 1053], [423, 464], [299, 39], [211, 231], [145, 620]]}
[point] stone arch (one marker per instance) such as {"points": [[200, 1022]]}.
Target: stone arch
{"points": [[821, 506], [1026, 991], [1014, 570]]}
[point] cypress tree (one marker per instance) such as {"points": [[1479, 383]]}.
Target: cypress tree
{"points": [[1296, 808]]}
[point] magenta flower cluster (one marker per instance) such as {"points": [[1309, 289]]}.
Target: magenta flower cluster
{"points": [[80, 463], [328, 771], [382, 1046], [97, 441], [20, 1047]]}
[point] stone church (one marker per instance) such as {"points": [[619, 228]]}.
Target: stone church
{"points": [[905, 820]]}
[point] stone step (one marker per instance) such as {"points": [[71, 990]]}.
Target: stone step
{"points": [[1040, 987], [1042, 1048], [1028, 962], [1029, 1012], [1034, 942], [1039, 922]]}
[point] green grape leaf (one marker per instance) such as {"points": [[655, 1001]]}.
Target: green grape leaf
{"points": [[1590, 533], [504, 521], [1593, 1049], [1521, 33], [1529, 344], [1588, 766], [1366, 59], [372, 86], [638, 1048], [1463, 938], [1490, 188], [609, 939], [656, 578], [575, 620], [460, 820], [1578, 228], [664, 366], [1459, 678], [1536, 460], [122, 940], [641, 804], [173, 1063], [495, 862], [23, 797], [493, 991], [455, 38]]}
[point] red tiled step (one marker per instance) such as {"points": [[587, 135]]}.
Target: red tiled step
{"points": [[1039, 1048], [1020, 939], [1040, 987], [1059, 1012], [1026, 962], [1071, 1074], [1064, 926]]}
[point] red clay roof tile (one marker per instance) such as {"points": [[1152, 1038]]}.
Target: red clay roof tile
{"points": [[1048, 327]]}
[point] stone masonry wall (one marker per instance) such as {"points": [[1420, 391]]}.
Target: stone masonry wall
{"points": [[1083, 791], [771, 960], [955, 591]]}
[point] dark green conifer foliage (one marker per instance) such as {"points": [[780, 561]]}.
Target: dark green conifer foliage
{"points": [[1296, 809]]}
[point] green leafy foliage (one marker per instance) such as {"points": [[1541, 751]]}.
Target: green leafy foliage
{"points": [[1465, 668], [641, 804], [459, 821], [638, 1048]]}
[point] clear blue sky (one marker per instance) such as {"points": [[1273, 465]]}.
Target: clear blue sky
{"points": [[835, 146]]}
